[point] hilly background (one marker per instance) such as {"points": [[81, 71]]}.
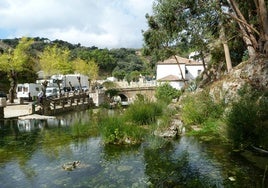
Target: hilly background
{"points": [[121, 63]]}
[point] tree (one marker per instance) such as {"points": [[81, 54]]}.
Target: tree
{"points": [[14, 61], [119, 74], [203, 24], [253, 24], [89, 68], [174, 22], [55, 60]]}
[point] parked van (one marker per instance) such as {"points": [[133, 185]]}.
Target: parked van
{"points": [[28, 91], [51, 92]]}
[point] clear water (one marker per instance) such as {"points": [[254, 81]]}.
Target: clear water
{"points": [[32, 154]]}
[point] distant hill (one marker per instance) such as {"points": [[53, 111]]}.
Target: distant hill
{"points": [[119, 62]]}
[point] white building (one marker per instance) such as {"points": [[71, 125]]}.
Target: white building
{"points": [[169, 71]]}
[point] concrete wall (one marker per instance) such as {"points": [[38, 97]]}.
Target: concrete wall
{"points": [[169, 69], [98, 97], [193, 71]]}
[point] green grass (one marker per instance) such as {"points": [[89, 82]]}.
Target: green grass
{"points": [[116, 130], [198, 108], [144, 112], [211, 129]]}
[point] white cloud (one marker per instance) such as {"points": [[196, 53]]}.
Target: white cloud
{"points": [[101, 23]]}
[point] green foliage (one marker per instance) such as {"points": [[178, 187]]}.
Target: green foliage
{"points": [[16, 59], [196, 109], [111, 92], [144, 112], [133, 76], [211, 129], [125, 129], [117, 61], [245, 56], [109, 85], [247, 119], [166, 93], [178, 25], [55, 60], [116, 130], [89, 68], [119, 74]]}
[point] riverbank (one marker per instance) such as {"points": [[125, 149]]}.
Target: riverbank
{"points": [[15, 110]]}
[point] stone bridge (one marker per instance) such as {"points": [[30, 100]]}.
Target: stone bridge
{"points": [[129, 94]]}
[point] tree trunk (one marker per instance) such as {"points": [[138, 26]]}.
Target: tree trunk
{"points": [[226, 49], [263, 18], [182, 77], [227, 56], [203, 62], [13, 84], [58, 84], [262, 13], [79, 81], [249, 38], [44, 87]]}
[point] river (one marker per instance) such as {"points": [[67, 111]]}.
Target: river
{"points": [[32, 154]]}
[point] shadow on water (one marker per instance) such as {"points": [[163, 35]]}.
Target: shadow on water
{"points": [[32, 153]]}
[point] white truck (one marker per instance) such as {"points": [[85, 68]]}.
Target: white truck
{"points": [[28, 91], [69, 82]]}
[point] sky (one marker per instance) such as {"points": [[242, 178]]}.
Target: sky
{"points": [[101, 23]]}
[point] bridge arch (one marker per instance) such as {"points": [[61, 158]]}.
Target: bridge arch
{"points": [[123, 97], [129, 94]]}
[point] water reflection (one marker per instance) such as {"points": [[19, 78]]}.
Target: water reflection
{"points": [[33, 151], [27, 125], [180, 163]]}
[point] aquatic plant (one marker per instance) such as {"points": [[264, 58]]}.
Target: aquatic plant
{"points": [[116, 130], [198, 108], [144, 112], [211, 129]]}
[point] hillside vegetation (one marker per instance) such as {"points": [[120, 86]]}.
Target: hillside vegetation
{"points": [[233, 108], [122, 63]]}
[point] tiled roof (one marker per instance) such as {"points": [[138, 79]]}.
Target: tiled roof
{"points": [[181, 60], [170, 78]]}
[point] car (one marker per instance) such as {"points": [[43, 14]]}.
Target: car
{"points": [[51, 92], [85, 88], [3, 95]]}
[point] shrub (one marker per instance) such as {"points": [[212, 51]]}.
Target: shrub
{"points": [[247, 119], [166, 93], [212, 129], [198, 108], [115, 130]]}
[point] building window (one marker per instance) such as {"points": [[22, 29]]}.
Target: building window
{"points": [[198, 72], [186, 71]]}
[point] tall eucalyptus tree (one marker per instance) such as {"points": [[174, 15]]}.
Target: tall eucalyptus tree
{"points": [[252, 19], [176, 22], [199, 24]]}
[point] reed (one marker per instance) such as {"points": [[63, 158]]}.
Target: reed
{"points": [[144, 112], [116, 130]]}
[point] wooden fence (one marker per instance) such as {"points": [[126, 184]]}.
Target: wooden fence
{"points": [[80, 101]]}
